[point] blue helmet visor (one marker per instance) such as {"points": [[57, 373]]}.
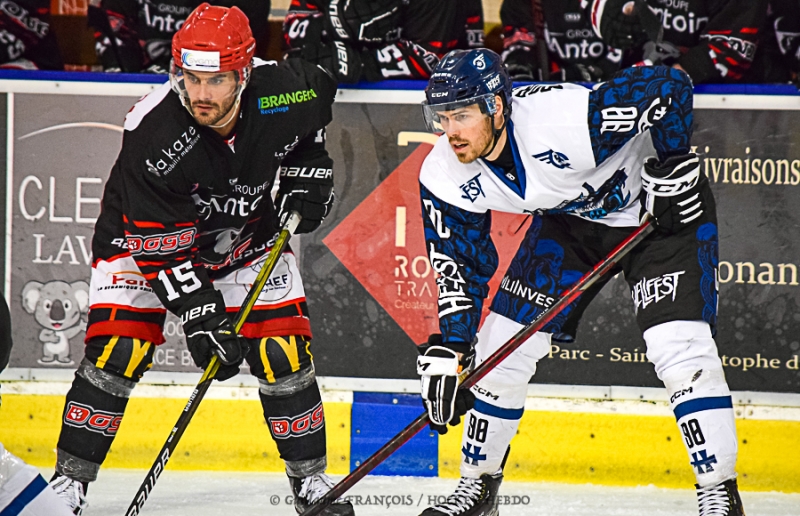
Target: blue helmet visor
{"points": [[439, 118]]}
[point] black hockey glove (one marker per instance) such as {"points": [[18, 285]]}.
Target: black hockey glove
{"points": [[439, 367], [311, 197], [209, 332], [337, 58], [674, 192], [617, 23], [366, 21]]}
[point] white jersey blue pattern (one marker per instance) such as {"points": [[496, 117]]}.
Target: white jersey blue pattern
{"points": [[576, 150]]}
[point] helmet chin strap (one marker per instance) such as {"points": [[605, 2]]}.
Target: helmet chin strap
{"points": [[496, 133]]}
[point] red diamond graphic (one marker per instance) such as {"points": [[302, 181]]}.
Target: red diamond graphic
{"points": [[382, 244]]}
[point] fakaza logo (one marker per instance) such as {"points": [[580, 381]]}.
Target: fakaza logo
{"points": [[160, 244], [479, 62], [173, 153], [535, 88], [472, 189], [85, 416], [493, 83], [306, 423], [554, 158], [648, 291]]}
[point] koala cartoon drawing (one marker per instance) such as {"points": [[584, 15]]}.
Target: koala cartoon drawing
{"points": [[58, 306]]}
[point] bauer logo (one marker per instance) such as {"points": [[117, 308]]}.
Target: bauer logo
{"points": [[200, 60], [493, 83], [84, 416], [304, 424]]}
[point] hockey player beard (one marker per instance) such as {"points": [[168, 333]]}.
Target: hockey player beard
{"points": [[207, 112], [468, 151]]}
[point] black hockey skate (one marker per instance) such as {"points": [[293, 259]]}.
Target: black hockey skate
{"points": [[311, 489], [720, 500], [72, 492], [473, 497]]}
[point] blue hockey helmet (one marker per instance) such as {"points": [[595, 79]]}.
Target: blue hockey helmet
{"points": [[465, 77]]}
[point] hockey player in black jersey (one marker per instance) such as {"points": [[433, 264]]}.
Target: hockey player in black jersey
{"points": [[27, 41], [136, 35], [711, 40], [384, 39], [586, 164], [188, 209], [574, 51]]}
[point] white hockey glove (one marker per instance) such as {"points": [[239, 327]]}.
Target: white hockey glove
{"points": [[439, 368], [675, 192]]}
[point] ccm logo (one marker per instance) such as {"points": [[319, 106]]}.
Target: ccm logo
{"points": [[138, 244], [84, 416], [304, 424]]}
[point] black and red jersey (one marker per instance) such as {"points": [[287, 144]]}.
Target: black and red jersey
{"points": [[189, 206], [142, 29], [26, 37], [568, 34], [426, 31]]}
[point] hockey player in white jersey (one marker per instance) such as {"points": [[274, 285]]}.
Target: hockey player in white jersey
{"points": [[23, 491], [586, 164]]}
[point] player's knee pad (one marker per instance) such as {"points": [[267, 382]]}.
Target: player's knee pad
{"points": [[518, 367], [92, 415], [121, 357], [275, 361], [293, 411], [687, 362]]}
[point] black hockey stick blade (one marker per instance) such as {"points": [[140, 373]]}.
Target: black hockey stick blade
{"points": [[208, 375], [471, 378]]}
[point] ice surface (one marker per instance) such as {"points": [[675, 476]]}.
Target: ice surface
{"points": [[242, 494]]}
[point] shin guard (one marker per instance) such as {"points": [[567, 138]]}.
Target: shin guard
{"points": [[90, 421], [297, 424], [687, 361]]}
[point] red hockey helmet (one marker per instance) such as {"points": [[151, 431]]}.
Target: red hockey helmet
{"points": [[214, 39]]}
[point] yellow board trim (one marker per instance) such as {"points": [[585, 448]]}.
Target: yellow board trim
{"points": [[626, 450], [224, 435], [568, 447]]}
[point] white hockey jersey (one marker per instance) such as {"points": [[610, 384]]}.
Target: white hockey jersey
{"points": [[576, 151], [24, 492]]}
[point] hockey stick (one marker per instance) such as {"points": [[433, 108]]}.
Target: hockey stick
{"points": [[208, 375], [541, 44], [586, 281]]}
